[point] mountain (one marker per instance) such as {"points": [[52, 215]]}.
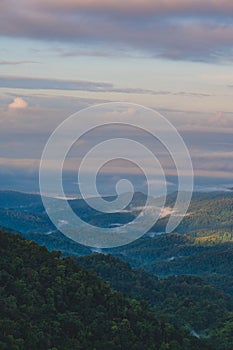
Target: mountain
{"points": [[186, 300], [20, 200], [179, 254], [25, 212], [201, 245], [58, 241], [185, 276], [207, 211], [51, 303]]}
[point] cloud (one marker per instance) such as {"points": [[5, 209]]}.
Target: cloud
{"points": [[18, 103], [193, 30], [136, 6], [13, 63], [53, 84], [24, 135], [219, 119], [80, 85], [58, 84], [94, 53], [20, 163]]}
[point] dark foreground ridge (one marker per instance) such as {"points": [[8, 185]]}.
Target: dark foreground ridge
{"points": [[51, 303]]}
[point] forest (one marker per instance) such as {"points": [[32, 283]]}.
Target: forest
{"points": [[48, 302], [163, 291]]}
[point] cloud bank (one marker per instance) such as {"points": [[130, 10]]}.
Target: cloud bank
{"points": [[15, 82], [191, 30]]}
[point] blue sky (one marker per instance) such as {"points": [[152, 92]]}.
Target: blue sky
{"points": [[60, 56]]}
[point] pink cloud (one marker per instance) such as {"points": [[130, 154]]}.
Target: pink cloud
{"points": [[219, 120], [18, 103]]}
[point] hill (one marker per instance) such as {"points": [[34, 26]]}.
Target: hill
{"points": [[186, 300], [51, 303], [25, 212], [202, 245], [207, 211], [179, 254]]}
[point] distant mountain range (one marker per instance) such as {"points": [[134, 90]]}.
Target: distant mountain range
{"points": [[202, 244], [25, 212]]}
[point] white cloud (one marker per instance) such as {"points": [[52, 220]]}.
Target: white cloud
{"points": [[18, 103]]}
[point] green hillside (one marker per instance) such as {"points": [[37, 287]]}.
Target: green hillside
{"points": [[179, 254], [185, 300], [50, 303], [207, 211]]}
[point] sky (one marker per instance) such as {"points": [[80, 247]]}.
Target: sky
{"points": [[58, 57]]}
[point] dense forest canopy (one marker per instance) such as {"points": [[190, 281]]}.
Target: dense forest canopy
{"points": [[47, 302]]}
